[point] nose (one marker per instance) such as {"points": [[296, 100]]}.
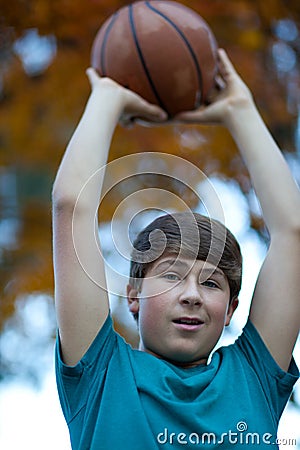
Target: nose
{"points": [[191, 295]]}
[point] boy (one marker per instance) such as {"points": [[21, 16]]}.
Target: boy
{"points": [[167, 394]]}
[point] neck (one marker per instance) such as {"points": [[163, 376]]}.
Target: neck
{"points": [[190, 365], [181, 364]]}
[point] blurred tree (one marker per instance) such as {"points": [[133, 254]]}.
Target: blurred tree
{"points": [[44, 51]]}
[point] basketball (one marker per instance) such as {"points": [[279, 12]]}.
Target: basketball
{"points": [[162, 50]]}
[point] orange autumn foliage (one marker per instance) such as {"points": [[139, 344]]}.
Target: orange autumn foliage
{"points": [[39, 112]]}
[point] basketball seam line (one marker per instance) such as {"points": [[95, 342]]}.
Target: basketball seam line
{"points": [[184, 38], [105, 38], [141, 56]]}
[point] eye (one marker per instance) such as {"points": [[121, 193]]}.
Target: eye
{"points": [[171, 276], [210, 284]]}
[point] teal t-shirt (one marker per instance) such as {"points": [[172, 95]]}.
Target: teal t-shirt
{"points": [[117, 398]]}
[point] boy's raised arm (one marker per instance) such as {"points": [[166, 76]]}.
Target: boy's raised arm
{"points": [[275, 309], [80, 288]]}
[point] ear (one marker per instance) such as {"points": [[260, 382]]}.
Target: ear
{"points": [[231, 308], [133, 299]]}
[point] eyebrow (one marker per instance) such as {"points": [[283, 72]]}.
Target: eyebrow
{"points": [[213, 270], [183, 264], [172, 262]]}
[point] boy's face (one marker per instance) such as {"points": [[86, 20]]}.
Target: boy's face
{"points": [[183, 307]]}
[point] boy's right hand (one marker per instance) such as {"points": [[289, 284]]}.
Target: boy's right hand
{"points": [[132, 106]]}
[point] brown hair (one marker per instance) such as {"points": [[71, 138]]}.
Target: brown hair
{"points": [[189, 235]]}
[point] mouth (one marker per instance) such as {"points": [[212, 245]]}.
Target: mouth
{"points": [[188, 323]]}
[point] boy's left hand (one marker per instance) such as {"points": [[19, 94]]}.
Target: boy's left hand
{"points": [[231, 95]]}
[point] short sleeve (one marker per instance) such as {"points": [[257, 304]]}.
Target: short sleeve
{"points": [[72, 381], [276, 383]]}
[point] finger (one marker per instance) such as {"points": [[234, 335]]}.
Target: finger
{"points": [[219, 83], [226, 66], [92, 75], [127, 122], [148, 111], [147, 123], [199, 115], [156, 114]]}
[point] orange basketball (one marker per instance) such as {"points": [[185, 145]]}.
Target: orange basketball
{"points": [[160, 49]]}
